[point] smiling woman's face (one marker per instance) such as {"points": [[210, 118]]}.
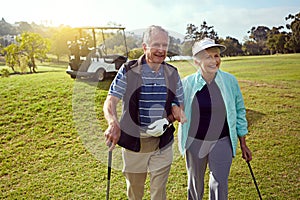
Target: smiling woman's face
{"points": [[209, 60]]}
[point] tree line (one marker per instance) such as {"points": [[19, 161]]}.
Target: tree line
{"points": [[23, 43], [262, 40]]}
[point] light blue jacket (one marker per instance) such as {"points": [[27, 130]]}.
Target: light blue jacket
{"points": [[234, 103]]}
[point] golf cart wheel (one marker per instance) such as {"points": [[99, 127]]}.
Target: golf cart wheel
{"points": [[73, 76], [100, 75]]}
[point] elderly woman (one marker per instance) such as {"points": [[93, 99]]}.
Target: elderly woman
{"points": [[216, 119]]}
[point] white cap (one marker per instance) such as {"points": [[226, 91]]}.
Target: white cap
{"points": [[205, 44]]}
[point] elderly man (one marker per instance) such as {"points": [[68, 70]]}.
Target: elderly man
{"points": [[152, 97]]}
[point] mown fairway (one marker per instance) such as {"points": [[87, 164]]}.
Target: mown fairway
{"points": [[51, 127]]}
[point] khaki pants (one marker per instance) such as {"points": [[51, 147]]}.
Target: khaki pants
{"points": [[150, 159]]}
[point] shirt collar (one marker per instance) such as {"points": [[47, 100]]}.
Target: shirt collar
{"points": [[201, 79]]}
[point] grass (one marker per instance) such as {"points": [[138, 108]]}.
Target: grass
{"points": [[51, 134]]}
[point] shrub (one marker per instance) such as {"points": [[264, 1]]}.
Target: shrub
{"points": [[4, 73], [135, 53]]}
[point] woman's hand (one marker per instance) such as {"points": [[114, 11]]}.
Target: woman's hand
{"points": [[246, 153]]}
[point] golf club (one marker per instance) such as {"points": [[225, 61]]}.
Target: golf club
{"points": [[254, 180], [108, 173]]}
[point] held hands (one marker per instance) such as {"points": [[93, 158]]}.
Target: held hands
{"points": [[179, 114], [158, 127]]}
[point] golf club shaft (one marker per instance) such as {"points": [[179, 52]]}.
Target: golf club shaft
{"points": [[108, 174], [252, 174]]}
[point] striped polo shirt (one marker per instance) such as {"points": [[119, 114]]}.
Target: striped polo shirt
{"points": [[153, 93]]}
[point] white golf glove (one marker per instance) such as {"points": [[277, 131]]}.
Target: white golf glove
{"points": [[158, 127]]}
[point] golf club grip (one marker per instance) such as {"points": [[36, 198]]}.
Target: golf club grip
{"points": [[109, 165], [254, 180], [108, 174]]}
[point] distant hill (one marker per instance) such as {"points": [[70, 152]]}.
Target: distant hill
{"points": [[19, 27], [139, 33], [7, 28]]}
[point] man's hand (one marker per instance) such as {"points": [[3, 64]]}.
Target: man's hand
{"points": [[113, 132], [158, 127], [179, 114], [112, 135]]}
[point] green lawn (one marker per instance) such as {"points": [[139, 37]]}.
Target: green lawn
{"points": [[52, 147]]}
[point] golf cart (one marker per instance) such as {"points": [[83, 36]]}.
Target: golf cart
{"points": [[86, 61]]}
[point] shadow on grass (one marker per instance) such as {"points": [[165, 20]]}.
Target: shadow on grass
{"points": [[102, 85], [253, 116], [30, 73]]}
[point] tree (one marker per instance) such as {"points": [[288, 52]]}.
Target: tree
{"points": [[30, 46], [115, 43], [205, 31], [260, 35], [193, 34], [59, 40], [294, 38], [135, 53], [276, 40], [33, 46], [233, 47], [250, 47], [186, 48], [174, 49], [12, 56]]}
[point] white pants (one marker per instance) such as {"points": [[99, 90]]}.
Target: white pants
{"points": [[218, 156]]}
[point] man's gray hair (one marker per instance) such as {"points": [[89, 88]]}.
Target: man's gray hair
{"points": [[148, 33]]}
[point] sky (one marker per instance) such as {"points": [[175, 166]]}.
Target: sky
{"points": [[232, 18]]}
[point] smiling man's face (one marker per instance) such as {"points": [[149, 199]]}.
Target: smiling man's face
{"points": [[156, 50]]}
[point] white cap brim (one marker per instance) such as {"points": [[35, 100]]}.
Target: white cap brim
{"points": [[206, 44]]}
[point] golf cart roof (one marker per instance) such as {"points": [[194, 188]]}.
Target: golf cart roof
{"points": [[102, 28]]}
